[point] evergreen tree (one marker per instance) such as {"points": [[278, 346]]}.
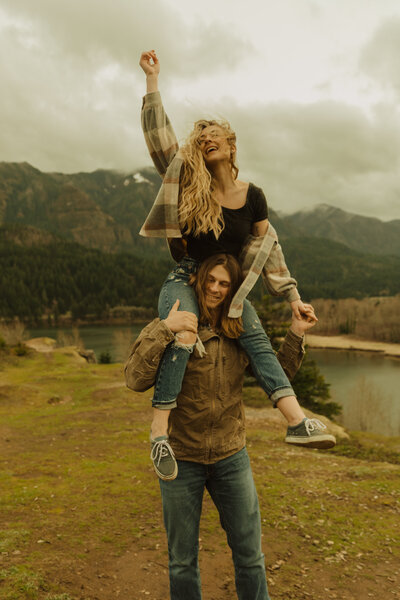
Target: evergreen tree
{"points": [[309, 384]]}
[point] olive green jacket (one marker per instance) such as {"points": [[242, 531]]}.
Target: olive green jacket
{"points": [[208, 423]]}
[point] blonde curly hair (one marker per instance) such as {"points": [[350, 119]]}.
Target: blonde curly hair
{"points": [[198, 210]]}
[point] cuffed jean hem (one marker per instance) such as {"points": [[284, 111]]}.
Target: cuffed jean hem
{"points": [[164, 405], [281, 393]]}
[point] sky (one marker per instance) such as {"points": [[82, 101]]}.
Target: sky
{"points": [[311, 87]]}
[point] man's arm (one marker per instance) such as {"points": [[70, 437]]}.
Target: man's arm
{"points": [[142, 364], [291, 352]]}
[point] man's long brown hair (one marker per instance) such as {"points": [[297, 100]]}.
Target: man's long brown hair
{"points": [[229, 327]]}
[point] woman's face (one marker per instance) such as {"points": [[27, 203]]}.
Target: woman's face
{"points": [[214, 145]]}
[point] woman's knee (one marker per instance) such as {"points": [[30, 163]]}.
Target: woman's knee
{"points": [[181, 291]]}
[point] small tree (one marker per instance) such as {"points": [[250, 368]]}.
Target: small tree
{"points": [[105, 358], [312, 390]]}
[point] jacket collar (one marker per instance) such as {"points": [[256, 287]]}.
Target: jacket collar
{"points": [[206, 333]]}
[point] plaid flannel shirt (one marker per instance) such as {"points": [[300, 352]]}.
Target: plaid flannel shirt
{"points": [[260, 255]]}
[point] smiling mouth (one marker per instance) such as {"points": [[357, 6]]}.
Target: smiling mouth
{"points": [[211, 149]]}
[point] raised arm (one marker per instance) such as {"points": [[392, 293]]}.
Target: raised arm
{"points": [[158, 132], [151, 66]]}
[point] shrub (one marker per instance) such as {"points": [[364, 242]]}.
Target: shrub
{"points": [[21, 350], [105, 358]]}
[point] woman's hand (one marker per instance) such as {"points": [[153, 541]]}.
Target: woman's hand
{"points": [[149, 63], [301, 310], [302, 325]]}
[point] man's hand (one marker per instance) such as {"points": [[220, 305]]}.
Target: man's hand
{"points": [[149, 63], [181, 320], [305, 322]]}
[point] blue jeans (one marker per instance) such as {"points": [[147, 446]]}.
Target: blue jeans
{"points": [[254, 341], [231, 486]]}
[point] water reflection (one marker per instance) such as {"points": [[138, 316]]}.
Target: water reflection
{"points": [[112, 340], [366, 385]]}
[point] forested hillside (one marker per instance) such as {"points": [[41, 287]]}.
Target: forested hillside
{"points": [[71, 244], [57, 277], [326, 269], [42, 274]]}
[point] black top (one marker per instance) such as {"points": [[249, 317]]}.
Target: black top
{"points": [[238, 226]]}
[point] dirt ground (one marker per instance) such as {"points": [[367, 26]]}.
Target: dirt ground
{"points": [[81, 514], [141, 574]]}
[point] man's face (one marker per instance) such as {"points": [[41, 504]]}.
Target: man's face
{"points": [[218, 284]]}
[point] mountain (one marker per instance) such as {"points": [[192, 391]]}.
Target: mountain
{"points": [[105, 210], [364, 234]]}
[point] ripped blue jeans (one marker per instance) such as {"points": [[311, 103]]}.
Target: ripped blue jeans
{"points": [[254, 341]]}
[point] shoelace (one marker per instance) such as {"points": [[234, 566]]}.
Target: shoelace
{"points": [[313, 424], [161, 450]]}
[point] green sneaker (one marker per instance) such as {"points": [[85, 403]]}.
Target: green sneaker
{"points": [[163, 458], [309, 433]]}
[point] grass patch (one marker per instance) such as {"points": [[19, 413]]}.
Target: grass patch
{"points": [[20, 583], [369, 447], [79, 489]]}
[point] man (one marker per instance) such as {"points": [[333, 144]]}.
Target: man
{"points": [[207, 432]]}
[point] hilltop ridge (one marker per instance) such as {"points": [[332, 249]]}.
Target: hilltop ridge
{"points": [[105, 209]]}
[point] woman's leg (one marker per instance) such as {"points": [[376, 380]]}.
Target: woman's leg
{"points": [[159, 424], [271, 377], [172, 367], [264, 362], [174, 361]]}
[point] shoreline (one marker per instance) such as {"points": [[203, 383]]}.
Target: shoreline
{"points": [[344, 342]]}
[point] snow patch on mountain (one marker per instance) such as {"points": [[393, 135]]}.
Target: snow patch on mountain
{"points": [[138, 178]]}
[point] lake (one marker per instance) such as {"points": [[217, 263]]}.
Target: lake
{"points": [[366, 384]]}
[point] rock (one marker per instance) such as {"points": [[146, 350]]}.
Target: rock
{"points": [[41, 344], [54, 400], [88, 355]]}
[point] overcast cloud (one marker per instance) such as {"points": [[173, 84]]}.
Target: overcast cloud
{"points": [[312, 89]]}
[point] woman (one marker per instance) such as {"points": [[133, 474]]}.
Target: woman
{"points": [[203, 209]]}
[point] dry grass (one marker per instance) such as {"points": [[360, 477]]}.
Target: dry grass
{"points": [[370, 318], [365, 412], [13, 333], [122, 342], [70, 339]]}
